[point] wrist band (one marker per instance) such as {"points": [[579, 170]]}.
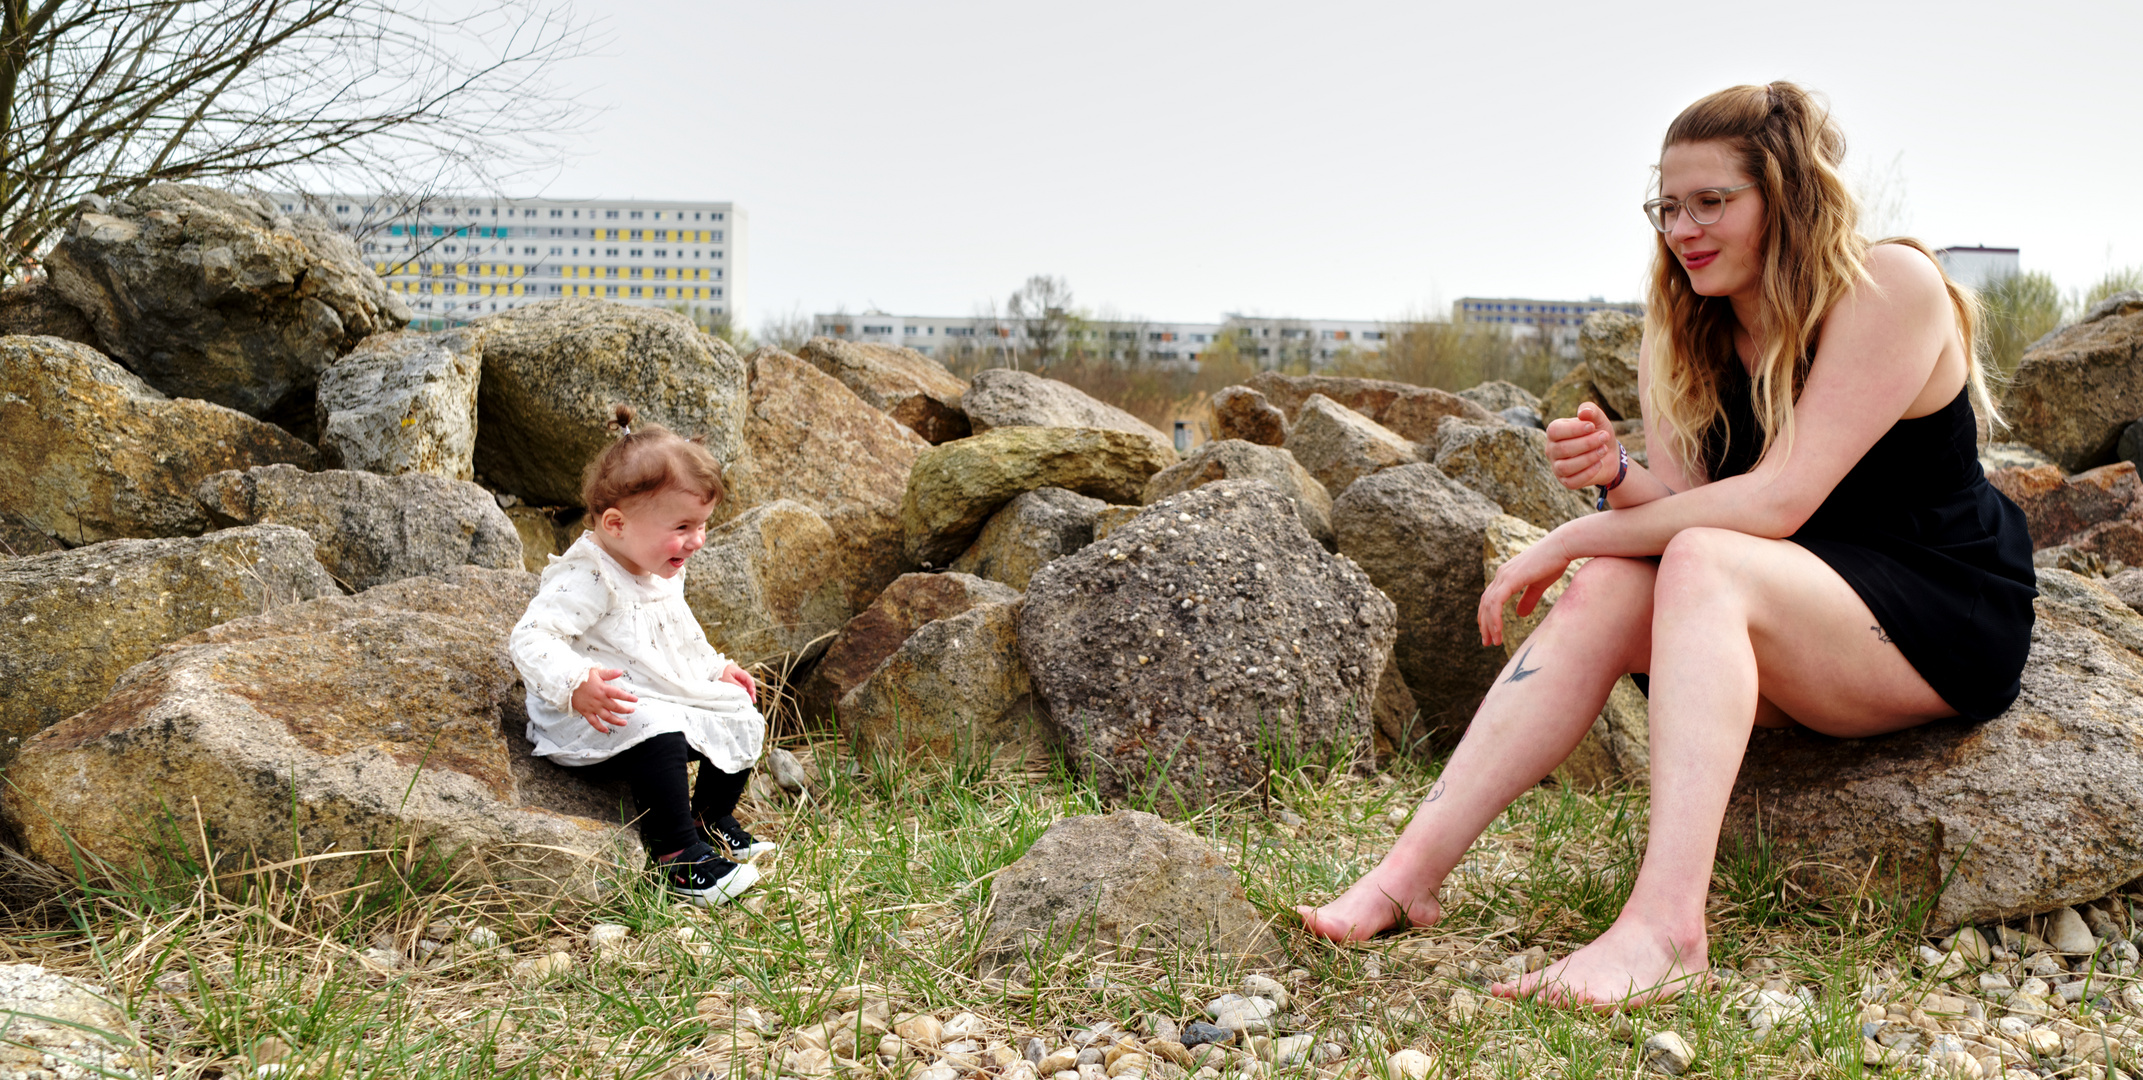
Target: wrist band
{"points": [[1621, 470]]}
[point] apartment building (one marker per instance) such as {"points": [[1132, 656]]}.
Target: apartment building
{"points": [[1272, 339], [455, 259], [1978, 267], [1559, 319]]}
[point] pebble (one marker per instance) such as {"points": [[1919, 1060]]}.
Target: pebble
{"points": [[1875, 1053], [1464, 1006], [1199, 1033], [1062, 1061], [1092, 1055], [923, 1030], [1410, 1064], [939, 1072], [788, 773], [1667, 1052], [1290, 818], [481, 937], [2067, 933], [2040, 1041], [1958, 1065], [603, 936], [1163, 1028], [1970, 944], [1034, 1051], [1261, 986]]}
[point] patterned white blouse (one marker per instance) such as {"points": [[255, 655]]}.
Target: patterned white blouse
{"points": [[589, 612]]}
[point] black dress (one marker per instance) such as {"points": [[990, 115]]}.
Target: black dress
{"points": [[1940, 557]]}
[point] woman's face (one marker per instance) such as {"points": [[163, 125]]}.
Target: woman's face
{"points": [[1724, 258]]}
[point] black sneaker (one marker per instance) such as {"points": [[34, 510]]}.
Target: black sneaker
{"points": [[701, 877], [724, 832]]}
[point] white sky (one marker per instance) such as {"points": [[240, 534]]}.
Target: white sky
{"points": [[1337, 160]]}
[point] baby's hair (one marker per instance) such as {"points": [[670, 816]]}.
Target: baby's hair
{"points": [[645, 459]]}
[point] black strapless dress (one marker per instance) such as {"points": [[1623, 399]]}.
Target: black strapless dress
{"points": [[1941, 558]]}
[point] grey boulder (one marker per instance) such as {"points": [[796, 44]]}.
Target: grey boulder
{"points": [[370, 529], [403, 402], [1002, 397]]}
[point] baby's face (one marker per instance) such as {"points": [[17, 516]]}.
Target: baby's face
{"points": [[655, 534]]}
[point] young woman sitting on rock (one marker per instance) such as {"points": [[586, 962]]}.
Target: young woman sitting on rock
{"points": [[1814, 541], [621, 680]]}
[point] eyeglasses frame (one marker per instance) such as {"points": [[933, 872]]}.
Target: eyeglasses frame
{"points": [[1660, 204]]}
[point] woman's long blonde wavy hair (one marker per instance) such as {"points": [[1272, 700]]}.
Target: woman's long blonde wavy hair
{"points": [[1813, 254]]}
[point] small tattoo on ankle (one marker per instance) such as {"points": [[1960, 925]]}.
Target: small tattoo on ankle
{"points": [[1436, 792], [1880, 635], [1521, 671]]}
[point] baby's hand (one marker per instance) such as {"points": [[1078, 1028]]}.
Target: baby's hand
{"points": [[741, 677], [600, 703]]}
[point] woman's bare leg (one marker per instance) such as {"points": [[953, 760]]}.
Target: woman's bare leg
{"points": [[1736, 620], [1541, 704]]}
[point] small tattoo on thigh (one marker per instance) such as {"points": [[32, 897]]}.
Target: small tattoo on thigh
{"points": [[1436, 792], [1881, 635]]}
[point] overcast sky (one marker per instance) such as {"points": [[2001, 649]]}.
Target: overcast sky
{"points": [[1338, 160]]}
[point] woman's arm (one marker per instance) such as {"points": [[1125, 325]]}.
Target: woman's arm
{"points": [[1584, 452], [1875, 356]]}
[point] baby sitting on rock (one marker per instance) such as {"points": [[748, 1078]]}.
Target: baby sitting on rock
{"points": [[621, 680]]}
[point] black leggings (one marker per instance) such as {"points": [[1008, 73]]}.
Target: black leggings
{"points": [[655, 770]]}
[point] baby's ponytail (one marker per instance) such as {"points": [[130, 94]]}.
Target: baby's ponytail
{"points": [[644, 460]]}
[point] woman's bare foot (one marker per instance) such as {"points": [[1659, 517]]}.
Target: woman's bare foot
{"points": [[1628, 966], [1367, 909]]}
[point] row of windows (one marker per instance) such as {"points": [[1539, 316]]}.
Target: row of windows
{"points": [[1543, 309], [675, 236], [651, 273], [636, 292], [529, 212], [1115, 335]]}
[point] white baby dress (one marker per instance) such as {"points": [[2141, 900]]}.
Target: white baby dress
{"points": [[590, 611]]}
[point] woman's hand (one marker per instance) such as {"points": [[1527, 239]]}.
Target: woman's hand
{"points": [[742, 678], [1582, 449], [1527, 577], [600, 703]]}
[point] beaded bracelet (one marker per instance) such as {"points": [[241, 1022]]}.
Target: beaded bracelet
{"points": [[1621, 471]]}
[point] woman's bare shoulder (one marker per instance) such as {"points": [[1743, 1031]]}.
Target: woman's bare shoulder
{"points": [[1902, 276]]}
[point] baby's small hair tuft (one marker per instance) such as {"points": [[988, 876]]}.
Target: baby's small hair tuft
{"points": [[621, 418]]}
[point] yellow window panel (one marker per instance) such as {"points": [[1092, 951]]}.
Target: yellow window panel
{"points": [[461, 288], [438, 288], [517, 288], [461, 269]]}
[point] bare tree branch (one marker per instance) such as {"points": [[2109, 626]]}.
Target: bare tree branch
{"points": [[100, 97]]}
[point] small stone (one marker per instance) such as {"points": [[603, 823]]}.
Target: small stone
{"points": [[788, 773], [924, 1031], [2046, 965], [481, 937], [1093, 1072], [1875, 1053], [1065, 1074], [1410, 1064], [1035, 1051], [940, 1072], [2067, 933], [606, 935], [1062, 1061], [1970, 944], [1199, 1033], [1256, 986], [1667, 1052], [1290, 818], [1092, 1055], [1464, 1006], [1958, 1065], [1128, 1064], [2102, 925]]}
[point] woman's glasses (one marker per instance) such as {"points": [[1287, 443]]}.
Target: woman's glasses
{"points": [[1705, 205]]}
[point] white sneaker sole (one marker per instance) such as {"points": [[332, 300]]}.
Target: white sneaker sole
{"points": [[731, 886]]}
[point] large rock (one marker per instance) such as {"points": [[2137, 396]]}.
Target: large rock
{"points": [[1395, 716], [812, 440], [1130, 883], [2059, 508], [1203, 645], [1419, 535], [954, 688], [768, 585], [1002, 397], [545, 531], [953, 489], [78, 619], [1618, 748], [214, 295], [1609, 341], [2028, 812], [370, 529], [1413, 412], [1509, 464], [340, 724], [554, 370], [1031, 531], [403, 402], [20, 537], [1572, 390], [874, 634], [2080, 386], [904, 384], [63, 1029], [1234, 459], [1242, 413], [93, 453], [1339, 446], [38, 310], [1496, 395]]}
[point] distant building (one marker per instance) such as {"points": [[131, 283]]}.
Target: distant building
{"points": [[1978, 267], [454, 259], [1271, 339], [1559, 319]]}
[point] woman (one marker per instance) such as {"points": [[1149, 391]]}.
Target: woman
{"points": [[1813, 543]]}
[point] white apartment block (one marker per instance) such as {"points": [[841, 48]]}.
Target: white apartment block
{"points": [[455, 259], [1270, 339], [1559, 319], [1978, 267]]}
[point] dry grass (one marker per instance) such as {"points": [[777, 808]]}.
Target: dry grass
{"points": [[882, 884]]}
